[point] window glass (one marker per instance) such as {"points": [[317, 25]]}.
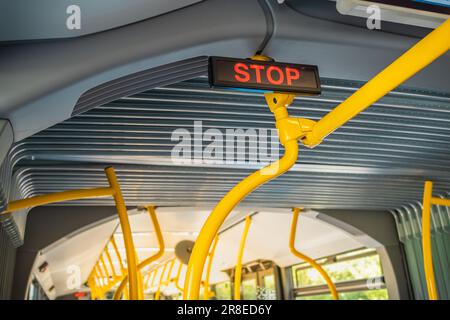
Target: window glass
{"points": [[223, 291], [362, 264], [380, 294]]}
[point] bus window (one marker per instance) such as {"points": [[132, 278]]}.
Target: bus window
{"points": [[357, 274]]}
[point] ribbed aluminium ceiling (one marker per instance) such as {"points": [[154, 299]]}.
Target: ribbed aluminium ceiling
{"points": [[378, 160]]}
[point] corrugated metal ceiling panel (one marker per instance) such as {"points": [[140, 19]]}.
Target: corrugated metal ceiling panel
{"points": [[378, 160]]}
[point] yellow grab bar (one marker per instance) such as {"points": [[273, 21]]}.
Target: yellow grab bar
{"points": [[177, 277], [304, 257], [154, 278], [102, 265], [114, 191], [116, 250], [108, 257], [57, 197], [169, 278], [127, 236], [238, 270], [424, 52], [292, 129], [149, 260], [221, 211], [158, 290], [428, 200], [277, 104], [206, 292]]}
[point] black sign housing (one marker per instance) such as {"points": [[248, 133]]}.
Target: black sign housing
{"points": [[264, 75]]}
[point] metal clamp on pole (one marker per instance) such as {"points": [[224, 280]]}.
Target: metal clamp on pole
{"points": [[304, 257]]}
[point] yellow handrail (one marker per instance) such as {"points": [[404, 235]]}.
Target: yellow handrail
{"points": [[158, 290], [108, 257], [277, 103], [127, 235], [412, 61], [57, 197], [104, 268], [169, 273], [221, 211], [310, 133], [116, 250], [177, 277], [304, 257], [428, 200], [149, 260], [206, 292], [114, 191], [238, 270]]}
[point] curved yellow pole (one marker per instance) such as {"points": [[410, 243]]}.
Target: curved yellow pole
{"points": [[57, 197], [116, 250], [146, 262], [158, 291], [150, 281], [426, 241], [311, 261], [177, 278], [221, 211], [108, 257], [127, 235], [102, 265], [290, 130], [102, 276], [238, 270], [169, 273], [154, 278], [207, 292]]}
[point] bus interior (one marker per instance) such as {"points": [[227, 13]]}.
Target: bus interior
{"points": [[135, 165]]}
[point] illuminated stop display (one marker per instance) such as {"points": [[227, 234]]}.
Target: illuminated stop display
{"points": [[263, 75]]}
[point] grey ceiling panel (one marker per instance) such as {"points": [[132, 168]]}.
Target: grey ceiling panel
{"points": [[46, 19], [379, 160]]}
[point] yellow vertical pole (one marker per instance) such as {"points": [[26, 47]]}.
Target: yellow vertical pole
{"points": [[238, 272], [141, 285], [102, 265], [100, 282], [207, 292], [311, 261], [102, 275], [172, 263], [426, 241], [93, 288], [154, 278], [116, 250], [108, 257], [277, 103], [147, 280], [140, 280], [149, 260], [158, 291], [177, 278], [127, 235]]}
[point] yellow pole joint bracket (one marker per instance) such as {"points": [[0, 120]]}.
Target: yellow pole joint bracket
{"points": [[289, 128]]}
